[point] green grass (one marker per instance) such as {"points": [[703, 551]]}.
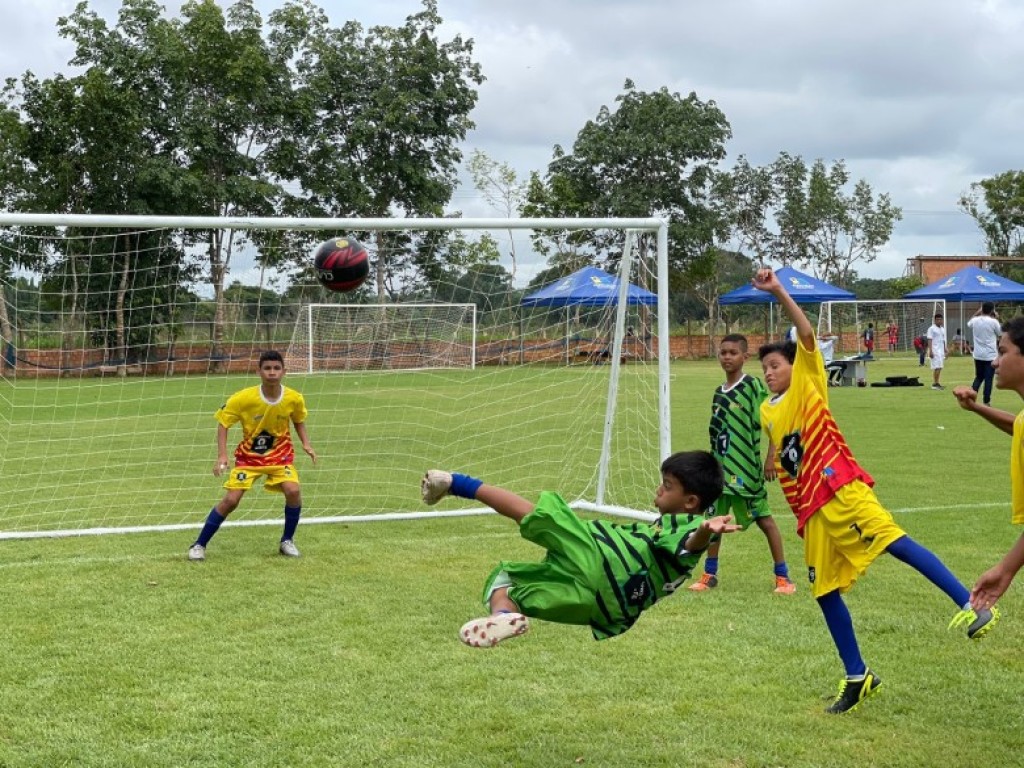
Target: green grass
{"points": [[118, 652]]}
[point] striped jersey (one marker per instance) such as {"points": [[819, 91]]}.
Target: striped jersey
{"points": [[266, 426], [812, 458], [640, 563], [735, 431]]}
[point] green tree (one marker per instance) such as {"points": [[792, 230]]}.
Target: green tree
{"points": [[997, 205], [653, 155], [501, 187], [376, 131], [794, 214]]}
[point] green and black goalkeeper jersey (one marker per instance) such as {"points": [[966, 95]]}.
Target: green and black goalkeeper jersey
{"points": [[642, 564], [735, 432]]}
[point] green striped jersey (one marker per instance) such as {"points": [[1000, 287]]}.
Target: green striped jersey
{"points": [[641, 564], [735, 432]]}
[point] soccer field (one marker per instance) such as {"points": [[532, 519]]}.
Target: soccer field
{"points": [[119, 652]]}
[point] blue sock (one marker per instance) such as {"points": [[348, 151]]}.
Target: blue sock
{"points": [[291, 522], [464, 486], [922, 560], [711, 565], [840, 626], [213, 521], [781, 569]]}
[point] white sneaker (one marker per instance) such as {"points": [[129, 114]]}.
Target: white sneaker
{"points": [[288, 548], [435, 485], [197, 552], [491, 630]]}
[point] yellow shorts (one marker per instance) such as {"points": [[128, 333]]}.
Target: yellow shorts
{"points": [[845, 536], [242, 478]]}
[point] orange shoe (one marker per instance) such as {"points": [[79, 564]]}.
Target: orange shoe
{"points": [[783, 586], [706, 581]]}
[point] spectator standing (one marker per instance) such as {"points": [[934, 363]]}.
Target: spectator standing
{"points": [[985, 326]]}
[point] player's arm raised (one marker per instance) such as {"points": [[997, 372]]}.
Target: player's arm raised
{"points": [[767, 280]]}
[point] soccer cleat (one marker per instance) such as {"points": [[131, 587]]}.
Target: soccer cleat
{"points": [[853, 692], [197, 552], [978, 622], [288, 548], [783, 586], [937, 386], [435, 485], [706, 581], [491, 630]]}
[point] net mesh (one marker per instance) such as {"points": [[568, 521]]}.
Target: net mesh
{"points": [[118, 348]]}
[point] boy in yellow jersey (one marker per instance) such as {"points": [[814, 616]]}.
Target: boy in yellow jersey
{"points": [[841, 521], [1009, 369], [266, 413]]}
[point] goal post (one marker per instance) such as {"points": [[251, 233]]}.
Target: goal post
{"points": [[896, 324], [400, 337], [118, 349]]}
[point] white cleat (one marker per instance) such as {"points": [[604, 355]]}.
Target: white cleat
{"points": [[435, 485], [197, 553], [288, 548], [491, 630]]}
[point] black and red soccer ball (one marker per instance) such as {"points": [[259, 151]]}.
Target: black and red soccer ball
{"points": [[342, 264]]}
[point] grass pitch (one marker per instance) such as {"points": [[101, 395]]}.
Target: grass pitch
{"points": [[119, 652]]}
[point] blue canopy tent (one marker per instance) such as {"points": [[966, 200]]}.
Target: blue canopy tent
{"points": [[803, 288], [587, 287], [970, 284]]}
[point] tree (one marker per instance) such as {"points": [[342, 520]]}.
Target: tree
{"points": [[804, 216], [653, 155], [377, 126], [997, 205], [500, 187]]}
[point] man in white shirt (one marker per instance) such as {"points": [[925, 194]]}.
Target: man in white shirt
{"points": [[827, 345], [936, 336], [986, 328]]}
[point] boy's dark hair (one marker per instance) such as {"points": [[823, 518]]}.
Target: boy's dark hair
{"points": [[270, 355], [785, 348], [699, 472], [1014, 328], [735, 338], [937, 315], [987, 308]]}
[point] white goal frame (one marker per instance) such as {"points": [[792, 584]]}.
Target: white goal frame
{"points": [[629, 226], [825, 325], [311, 308]]}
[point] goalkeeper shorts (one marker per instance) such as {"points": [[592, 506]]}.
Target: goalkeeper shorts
{"points": [[242, 478]]}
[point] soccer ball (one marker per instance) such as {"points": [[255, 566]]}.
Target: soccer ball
{"points": [[342, 264]]}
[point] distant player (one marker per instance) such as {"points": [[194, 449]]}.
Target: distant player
{"points": [[843, 525], [735, 431], [266, 413], [892, 331], [869, 339], [594, 573], [936, 335]]}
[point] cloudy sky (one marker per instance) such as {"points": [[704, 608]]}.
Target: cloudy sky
{"points": [[920, 97]]}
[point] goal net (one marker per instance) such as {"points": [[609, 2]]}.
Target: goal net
{"points": [[893, 324], [121, 336], [359, 337]]}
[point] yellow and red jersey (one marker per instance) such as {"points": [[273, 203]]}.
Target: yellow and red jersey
{"points": [[266, 426], [812, 458]]}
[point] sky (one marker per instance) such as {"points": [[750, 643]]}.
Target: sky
{"points": [[919, 97]]}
